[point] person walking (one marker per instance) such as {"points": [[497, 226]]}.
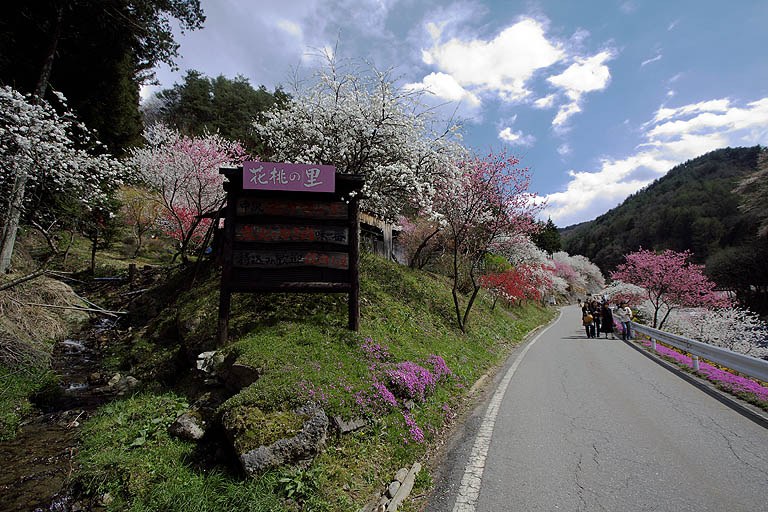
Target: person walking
{"points": [[606, 320], [596, 310], [587, 320], [624, 314]]}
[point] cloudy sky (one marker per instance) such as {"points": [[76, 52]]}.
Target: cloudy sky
{"points": [[597, 98]]}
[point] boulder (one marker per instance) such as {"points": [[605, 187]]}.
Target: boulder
{"points": [[208, 362], [188, 426], [122, 383], [346, 426], [297, 451]]}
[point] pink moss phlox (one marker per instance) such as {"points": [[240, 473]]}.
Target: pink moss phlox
{"points": [[412, 380], [375, 351], [416, 434], [729, 380], [440, 369]]}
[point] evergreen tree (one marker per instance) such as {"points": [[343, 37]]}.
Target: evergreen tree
{"points": [[548, 237], [97, 52], [201, 105]]}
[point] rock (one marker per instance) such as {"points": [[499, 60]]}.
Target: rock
{"points": [[392, 489], [410, 405], [122, 383], [188, 426], [106, 499], [114, 380], [207, 362], [94, 378], [298, 451], [345, 427], [238, 376], [401, 474]]}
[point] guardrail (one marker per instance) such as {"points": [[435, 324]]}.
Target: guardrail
{"points": [[751, 366]]}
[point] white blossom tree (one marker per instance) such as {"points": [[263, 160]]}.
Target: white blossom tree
{"points": [[733, 328], [357, 119], [44, 152]]}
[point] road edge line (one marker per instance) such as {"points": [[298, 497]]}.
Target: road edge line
{"points": [[469, 489]]}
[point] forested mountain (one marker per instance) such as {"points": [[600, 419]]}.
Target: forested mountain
{"points": [[693, 207]]}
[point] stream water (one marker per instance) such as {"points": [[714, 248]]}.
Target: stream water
{"points": [[34, 467]]}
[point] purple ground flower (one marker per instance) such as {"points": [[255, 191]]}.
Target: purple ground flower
{"points": [[412, 380], [730, 381]]}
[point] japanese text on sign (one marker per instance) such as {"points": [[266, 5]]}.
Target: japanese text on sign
{"points": [[290, 177], [285, 233], [279, 259], [304, 209]]}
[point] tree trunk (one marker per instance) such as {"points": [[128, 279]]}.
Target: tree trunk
{"points": [[94, 242], [421, 247], [11, 226], [454, 291]]}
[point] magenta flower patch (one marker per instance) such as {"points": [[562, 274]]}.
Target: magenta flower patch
{"points": [[734, 383]]}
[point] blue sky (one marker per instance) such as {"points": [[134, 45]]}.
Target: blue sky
{"points": [[598, 98]]}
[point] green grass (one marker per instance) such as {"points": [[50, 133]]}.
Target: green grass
{"points": [[128, 454], [17, 387], [303, 350]]}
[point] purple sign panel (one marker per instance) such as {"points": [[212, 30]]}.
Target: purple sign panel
{"points": [[289, 177]]}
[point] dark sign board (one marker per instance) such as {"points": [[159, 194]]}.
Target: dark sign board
{"points": [[283, 239]]}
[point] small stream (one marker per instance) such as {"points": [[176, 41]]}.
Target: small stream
{"points": [[36, 464]]}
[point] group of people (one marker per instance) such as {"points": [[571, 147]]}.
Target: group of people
{"points": [[598, 316]]}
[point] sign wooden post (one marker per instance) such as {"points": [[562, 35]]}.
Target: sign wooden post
{"points": [[290, 228]]}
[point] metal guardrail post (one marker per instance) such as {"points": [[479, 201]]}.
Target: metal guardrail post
{"points": [[653, 344], [747, 365]]}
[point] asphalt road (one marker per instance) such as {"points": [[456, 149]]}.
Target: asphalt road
{"points": [[592, 424]]}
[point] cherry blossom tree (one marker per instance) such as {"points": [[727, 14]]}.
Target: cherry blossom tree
{"points": [[44, 155], [518, 283], [732, 328], [185, 173], [357, 119], [634, 296], [670, 281], [483, 211]]}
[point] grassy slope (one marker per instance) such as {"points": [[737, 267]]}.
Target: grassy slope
{"points": [[303, 349]]}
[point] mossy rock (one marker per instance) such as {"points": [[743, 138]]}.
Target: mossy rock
{"points": [[250, 427]]}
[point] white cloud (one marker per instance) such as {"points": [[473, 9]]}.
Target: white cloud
{"points": [[663, 113], [628, 7], [564, 149], [516, 138], [545, 102], [502, 65], [583, 76], [654, 59], [446, 87], [290, 27], [669, 141], [564, 113], [673, 25]]}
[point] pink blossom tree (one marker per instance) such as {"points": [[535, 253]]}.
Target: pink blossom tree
{"points": [[185, 172], [483, 210], [670, 281]]}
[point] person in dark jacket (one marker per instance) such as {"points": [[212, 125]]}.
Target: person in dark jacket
{"points": [[587, 320], [606, 324]]}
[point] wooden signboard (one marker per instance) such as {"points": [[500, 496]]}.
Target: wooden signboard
{"points": [[289, 228]]}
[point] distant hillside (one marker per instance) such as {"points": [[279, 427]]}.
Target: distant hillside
{"points": [[692, 207]]}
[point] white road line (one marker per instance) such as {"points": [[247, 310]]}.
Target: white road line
{"points": [[469, 490]]}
